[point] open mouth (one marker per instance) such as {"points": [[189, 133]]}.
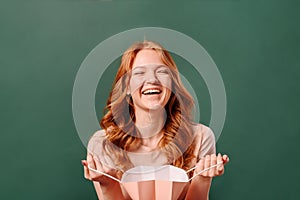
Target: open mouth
{"points": [[151, 91]]}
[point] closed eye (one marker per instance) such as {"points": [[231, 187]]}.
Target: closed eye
{"points": [[138, 73], [163, 71]]}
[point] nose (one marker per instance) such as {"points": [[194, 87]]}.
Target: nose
{"points": [[151, 77]]}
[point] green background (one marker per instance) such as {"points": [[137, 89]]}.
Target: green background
{"points": [[255, 45]]}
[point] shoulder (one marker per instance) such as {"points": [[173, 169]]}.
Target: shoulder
{"points": [[99, 133], [205, 140], [96, 140], [203, 132], [97, 147]]}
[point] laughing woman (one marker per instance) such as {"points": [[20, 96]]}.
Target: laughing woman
{"points": [[148, 121]]}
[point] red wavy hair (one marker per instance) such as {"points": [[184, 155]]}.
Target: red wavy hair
{"points": [[121, 133]]}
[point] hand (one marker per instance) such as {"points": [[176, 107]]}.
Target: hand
{"points": [[210, 160], [94, 163]]}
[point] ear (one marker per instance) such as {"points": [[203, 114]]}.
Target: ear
{"points": [[128, 93]]}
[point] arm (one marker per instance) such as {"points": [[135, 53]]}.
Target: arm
{"points": [[200, 185], [108, 192], [98, 190], [199, 188], [106, 188]]}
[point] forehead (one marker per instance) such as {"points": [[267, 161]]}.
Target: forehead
{"points": [[147, 57]]}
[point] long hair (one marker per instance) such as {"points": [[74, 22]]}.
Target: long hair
{"points": [[121, 133]]}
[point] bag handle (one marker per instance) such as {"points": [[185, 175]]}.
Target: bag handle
{"points": [[204, 170], [105, 174]]}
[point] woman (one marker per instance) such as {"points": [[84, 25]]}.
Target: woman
{"points": [[149, 122]]}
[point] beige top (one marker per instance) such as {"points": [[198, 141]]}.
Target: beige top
{"points": [[205, 144]]}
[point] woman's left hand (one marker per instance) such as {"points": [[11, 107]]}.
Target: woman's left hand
{"points": [[210, 160]]}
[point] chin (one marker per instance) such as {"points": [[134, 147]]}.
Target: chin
{"points": [[155, 107]]}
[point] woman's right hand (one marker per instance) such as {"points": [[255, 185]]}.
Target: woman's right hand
{"points": [[94, 163]]}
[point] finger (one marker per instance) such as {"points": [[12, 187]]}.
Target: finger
{"points": [[84, 162], [200, 165], [219, 160], [213, 161], [90, 161], [85, 169], [86, 173], [109, 170], [92, 164], [206, 164], [225, 159], [98, 164]]}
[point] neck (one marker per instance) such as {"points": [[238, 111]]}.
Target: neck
{"points": [[150, 123]]}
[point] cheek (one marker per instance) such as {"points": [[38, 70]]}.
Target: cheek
{"points": [[135, 84], [166, 82]]}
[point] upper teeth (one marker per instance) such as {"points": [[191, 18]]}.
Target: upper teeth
{"points": [[151, 91]]}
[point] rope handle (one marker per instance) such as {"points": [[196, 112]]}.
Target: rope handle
{"points": [[107, 175], [204, 170]]}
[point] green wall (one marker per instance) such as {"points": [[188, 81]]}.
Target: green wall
{"points": [[255, 45]]}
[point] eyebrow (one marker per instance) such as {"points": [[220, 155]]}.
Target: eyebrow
{"points": [[157, 66]]}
